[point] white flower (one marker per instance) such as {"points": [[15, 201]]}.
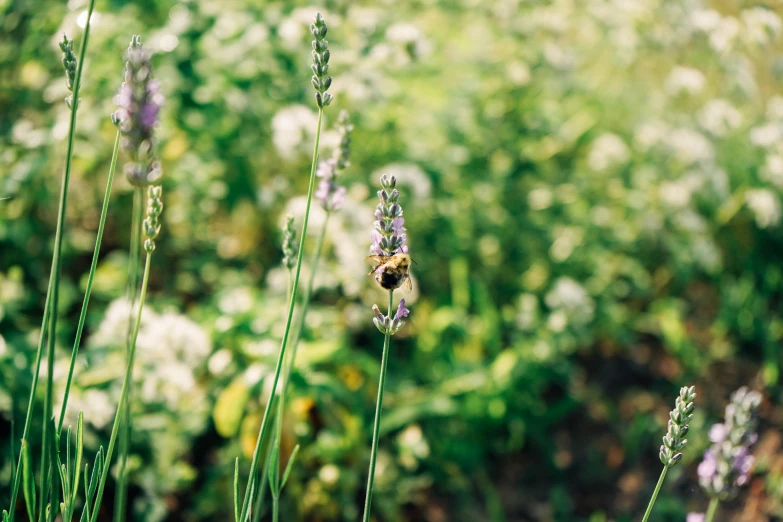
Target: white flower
{"points": [[724, 34], [608, 150], [650, 133], [772, 170], [766, 136], [540, 198], [719, 117], [219, 361], [685, 80], [291, 126], [761, 25], [675, 194], [113, 329], [570, 301], [689, 145], [704, 19], [775, 108], [765, 206]]}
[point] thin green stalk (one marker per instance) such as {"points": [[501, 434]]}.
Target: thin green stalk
{"points": [[711, 510], [265, 420], [123, 394], [121, 492], [305, 306], [655, 494], [54, 277], [277, 441], [378, 406], [90, 279], [31, 402]]}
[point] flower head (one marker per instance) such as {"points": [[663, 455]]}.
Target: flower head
{"points": [[290, 246], [695, 517], [726, 465], [152, 221], [139, 102], [321, 79], [69, 63], [674, 440], [388, 237], [330, 193], [392, 325]]}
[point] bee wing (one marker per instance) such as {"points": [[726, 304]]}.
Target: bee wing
{"points": [[407, 285], [375, 260]]}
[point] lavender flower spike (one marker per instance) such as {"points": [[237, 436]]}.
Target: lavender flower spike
{"points": [[139, 102], [329, 193], [321, 79], [674, 440], [727, 463], [388, 237], [392, 325]]}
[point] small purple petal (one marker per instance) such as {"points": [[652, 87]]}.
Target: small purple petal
{"points": [[708, 466], [397, 225], [718, 433], [695, 517], [401, 311]]}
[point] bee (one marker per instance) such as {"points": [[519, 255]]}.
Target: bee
{"points": [[393, 271]]}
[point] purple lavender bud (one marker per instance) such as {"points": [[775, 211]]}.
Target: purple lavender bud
{"points": [[401, 311], [727, 463], [388, 237], [695, 517], [139, 101], [718, 433], [381, 321], [329, 192]]}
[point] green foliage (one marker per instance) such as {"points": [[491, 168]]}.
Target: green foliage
{"points": [[593, 198]]}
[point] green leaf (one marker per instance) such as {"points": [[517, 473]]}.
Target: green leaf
{"points": [[236, 490], [230, 406], [289, 466], [274, 471], [79, 454], [28, 482]]}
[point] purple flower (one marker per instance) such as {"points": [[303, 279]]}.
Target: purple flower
{"points": [[695, 517], [401, 311], [330, 193], [727, 463], [139, 101], [717, 433], [388, 236], [708, 465]]}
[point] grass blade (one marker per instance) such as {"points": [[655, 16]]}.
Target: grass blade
{"points": [[28, 482]]}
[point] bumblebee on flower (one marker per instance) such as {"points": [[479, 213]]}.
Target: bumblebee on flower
{"points": [[389, 247]]}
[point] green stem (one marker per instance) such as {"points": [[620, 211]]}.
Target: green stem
{"points": [[54, 281], [265, 420], [31, 402], [711, 510], [123, 394], [90, 279], [121, 492], [655, 494], [277, 441], [275, 510], [378, 407], [305, 306]]}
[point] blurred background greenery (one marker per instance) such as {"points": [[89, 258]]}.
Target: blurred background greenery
{"points": [[593, 196]]}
